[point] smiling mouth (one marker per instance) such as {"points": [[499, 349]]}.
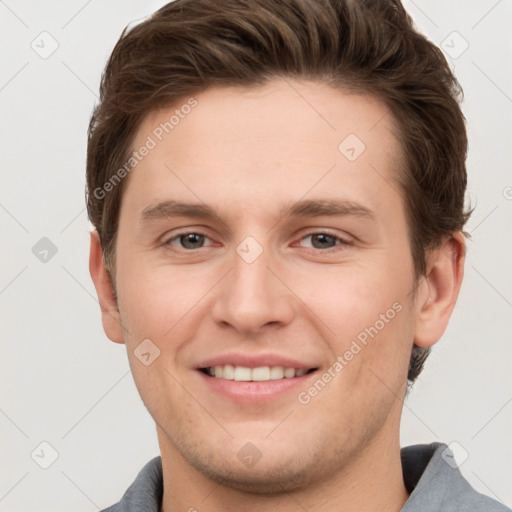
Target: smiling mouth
{"points": [[259, 374]]}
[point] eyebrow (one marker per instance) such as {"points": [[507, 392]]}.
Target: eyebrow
{"points": [[301, 209], [167, 209], [318, 208]]}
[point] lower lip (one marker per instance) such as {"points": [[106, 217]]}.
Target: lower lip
{"points": [[255, 392]]}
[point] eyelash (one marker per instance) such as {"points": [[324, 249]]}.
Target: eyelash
{"points": [[339, 240], [182, 234]]}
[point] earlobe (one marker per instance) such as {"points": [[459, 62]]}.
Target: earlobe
{"points": [[108, 304], [439, 290]]}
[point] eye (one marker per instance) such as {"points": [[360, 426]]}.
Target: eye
{"points": [[188, 241], [323, 241]]}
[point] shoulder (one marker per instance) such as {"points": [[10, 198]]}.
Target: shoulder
{"points": [[435, 483], [145, 493]]}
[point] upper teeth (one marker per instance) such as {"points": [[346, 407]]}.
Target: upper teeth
{"points": [[262, 373]]}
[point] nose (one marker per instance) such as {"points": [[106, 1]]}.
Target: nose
{"points": [[252, 297]]}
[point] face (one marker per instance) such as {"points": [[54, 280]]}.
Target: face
{"points": [[260, 241]]}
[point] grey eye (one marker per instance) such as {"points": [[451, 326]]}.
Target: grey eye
{"points": [[192, 240], [323, 241]]}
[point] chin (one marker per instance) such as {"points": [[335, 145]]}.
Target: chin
{"points": [[277, 469], [263, 478]]}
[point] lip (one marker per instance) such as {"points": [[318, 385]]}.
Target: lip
{"points": [[255, 392], [255, 361]]}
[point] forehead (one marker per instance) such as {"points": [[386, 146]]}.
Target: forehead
{"points": [[300, 107], [275, 141]]}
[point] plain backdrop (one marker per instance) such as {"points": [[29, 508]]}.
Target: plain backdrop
{"points": [[64, 384]]}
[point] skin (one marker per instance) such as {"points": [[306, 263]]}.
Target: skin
{"points": [[250, 153]]}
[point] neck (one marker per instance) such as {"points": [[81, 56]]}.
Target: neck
{"points": [[372, 481]]}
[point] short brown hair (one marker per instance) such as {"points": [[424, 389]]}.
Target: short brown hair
{"points": [[370, 47]]}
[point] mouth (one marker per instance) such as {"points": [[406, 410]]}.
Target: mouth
{"points": [[258, 374], [255, 378]]}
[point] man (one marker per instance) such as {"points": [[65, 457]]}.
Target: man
{"points": [[278, 195]]}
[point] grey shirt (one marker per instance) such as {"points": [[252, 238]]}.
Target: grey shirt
{"points": [[430, 476]]}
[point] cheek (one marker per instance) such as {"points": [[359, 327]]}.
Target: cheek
{"points": [[368, 318], [155, 300], [350, 298], [378, 354]]}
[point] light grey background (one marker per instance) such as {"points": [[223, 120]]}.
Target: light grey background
{"points": [[63, 382]]}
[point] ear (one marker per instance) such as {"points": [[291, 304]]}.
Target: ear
{"points": [[109, 310], [439, 289]]}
